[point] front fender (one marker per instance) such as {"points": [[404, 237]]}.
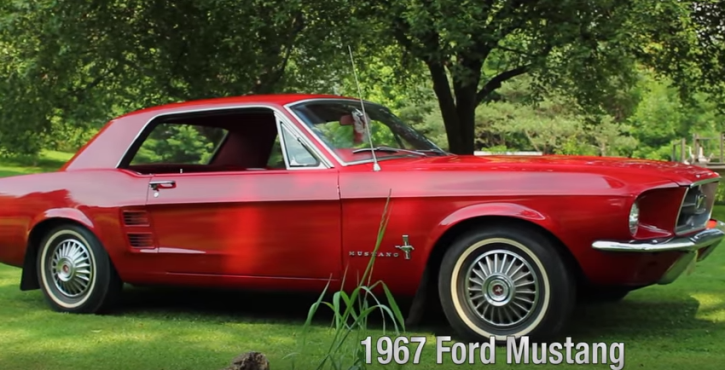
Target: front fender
{"points": [[490, 209], [500, 209]]}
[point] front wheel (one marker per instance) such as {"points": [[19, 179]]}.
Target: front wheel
{"points": [[75, 272], [505, 282]]}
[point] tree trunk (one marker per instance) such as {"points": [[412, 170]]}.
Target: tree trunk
{"points": [[447, 106], [459, 114], [466, 112]]}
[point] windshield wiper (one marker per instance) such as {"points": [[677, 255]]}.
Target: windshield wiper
{"points": [[387, 149], [436, 151]]}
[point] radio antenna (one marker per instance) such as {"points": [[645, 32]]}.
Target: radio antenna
{"points": [[366, 123]]}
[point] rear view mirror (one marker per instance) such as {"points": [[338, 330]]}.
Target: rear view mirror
{"points": [[358, 120]]}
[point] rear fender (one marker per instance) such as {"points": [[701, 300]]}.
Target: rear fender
{"points": [[40, 225]]}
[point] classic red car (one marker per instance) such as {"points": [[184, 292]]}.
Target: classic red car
{"points": [[286, 192]]}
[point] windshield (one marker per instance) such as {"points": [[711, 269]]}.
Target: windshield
{"points": [[340, 124]]}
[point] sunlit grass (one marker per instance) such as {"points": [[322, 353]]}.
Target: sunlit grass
{"points": [[682, 324], [48, 160]]}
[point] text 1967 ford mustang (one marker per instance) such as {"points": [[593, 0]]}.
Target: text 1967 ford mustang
{"points": [[286, 192]]}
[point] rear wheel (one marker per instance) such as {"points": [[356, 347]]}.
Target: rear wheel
{"points": [[505, 282], [75, 272]]}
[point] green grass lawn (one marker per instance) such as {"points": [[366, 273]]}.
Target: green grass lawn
{"points": [[681, 325], [49, 160]]}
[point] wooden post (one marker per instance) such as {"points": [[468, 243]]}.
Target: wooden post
{"points": [[683, 144], [695, 146]]}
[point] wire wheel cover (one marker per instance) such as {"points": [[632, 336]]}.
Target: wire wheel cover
{"points": [[71, 268], [502, 289]]}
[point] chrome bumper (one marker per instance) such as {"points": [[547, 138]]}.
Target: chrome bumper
{"points": [[690, 246], [700, 240]]}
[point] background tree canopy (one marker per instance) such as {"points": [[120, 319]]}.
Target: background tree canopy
{"points": [[608, 77]]}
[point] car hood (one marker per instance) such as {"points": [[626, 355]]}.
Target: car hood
{"points": [[617, 167]]}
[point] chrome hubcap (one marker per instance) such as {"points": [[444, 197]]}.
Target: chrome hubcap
{"points": [[71, 268], [502, 288]]}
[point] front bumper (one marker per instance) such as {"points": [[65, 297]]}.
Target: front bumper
{"points": [[695, 248]]}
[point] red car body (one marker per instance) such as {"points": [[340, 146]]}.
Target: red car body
{"points": [[301, 228]]}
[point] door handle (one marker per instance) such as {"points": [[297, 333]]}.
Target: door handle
{"points": [[162, 184]]}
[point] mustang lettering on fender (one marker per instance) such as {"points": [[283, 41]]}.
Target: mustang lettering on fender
{"points": [[370, 254]]}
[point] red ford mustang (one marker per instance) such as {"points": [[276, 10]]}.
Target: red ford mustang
{"points": [[287, 192]]}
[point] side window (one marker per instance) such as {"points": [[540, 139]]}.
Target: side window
{"points": [[297, 154], [177, 143]]}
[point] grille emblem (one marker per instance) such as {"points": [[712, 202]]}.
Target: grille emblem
{"points": [[700, 201]]}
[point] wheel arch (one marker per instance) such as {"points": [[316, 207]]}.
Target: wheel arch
{"points": [[53, 219], [491, 215], [442, 243]]}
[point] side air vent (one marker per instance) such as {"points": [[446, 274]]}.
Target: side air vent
{"points": [[135, 218], [141, 240]]}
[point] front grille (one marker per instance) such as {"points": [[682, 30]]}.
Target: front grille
{"points": [[696, 207]]}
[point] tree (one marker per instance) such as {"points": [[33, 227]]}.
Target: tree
{"points": [[84, 62], [587, 48]]}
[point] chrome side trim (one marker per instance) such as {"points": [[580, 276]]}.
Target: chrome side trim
{"points": [[319, 141], [679, 210], [283, 128], [218, 146], [279, 115], [705, 181], [295, 131], [706, 238]]}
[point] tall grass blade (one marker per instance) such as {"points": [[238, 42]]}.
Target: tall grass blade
{"points": [[351, 311]]}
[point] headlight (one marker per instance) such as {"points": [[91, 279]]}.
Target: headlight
{"points": [[634, 218]]}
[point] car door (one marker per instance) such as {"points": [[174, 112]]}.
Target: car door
{"points": [[268, 223], [211, 220]]}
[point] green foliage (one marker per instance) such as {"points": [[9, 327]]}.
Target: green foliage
{"points": [[643, 121], [587, 50], [351, 313], [342, 136], [178, 143], [553, 123], [83, 63], [443, 65], [661, 118]]}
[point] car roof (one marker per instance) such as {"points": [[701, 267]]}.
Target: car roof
{"points": [[274, 99]]}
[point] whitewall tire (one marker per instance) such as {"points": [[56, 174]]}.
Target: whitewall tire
{"points": [[75, 272], [505, 282]]}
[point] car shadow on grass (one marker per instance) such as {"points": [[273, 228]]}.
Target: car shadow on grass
{"points": [[633, 318], [222, 304]]}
